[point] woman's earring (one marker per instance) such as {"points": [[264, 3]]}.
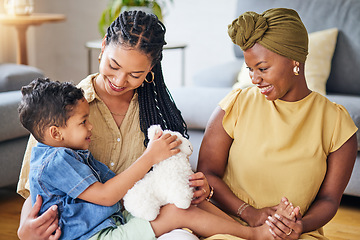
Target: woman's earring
{"points": [[100, 56], [296, 69], [153, 76]]}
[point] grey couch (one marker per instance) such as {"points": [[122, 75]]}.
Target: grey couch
{"points": [[13, 137], [343, 86]]}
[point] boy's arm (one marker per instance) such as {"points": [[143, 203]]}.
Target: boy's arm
{"points": [[112, 191]]}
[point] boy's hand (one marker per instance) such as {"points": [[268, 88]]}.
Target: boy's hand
{"points": [[162, 147]]}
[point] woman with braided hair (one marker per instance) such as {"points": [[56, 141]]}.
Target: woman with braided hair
{"points": [[125, 98], [277, 138]]}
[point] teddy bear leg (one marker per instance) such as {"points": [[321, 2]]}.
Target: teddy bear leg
{"points": [[182, 197], [147, 211], [145, 208], [141, 200]]}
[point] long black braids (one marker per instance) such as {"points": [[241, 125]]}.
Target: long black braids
{"points": [[142, 31]]}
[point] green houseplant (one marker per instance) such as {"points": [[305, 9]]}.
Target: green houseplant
{"points": [[115, 7]]}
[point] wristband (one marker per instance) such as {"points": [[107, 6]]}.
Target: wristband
{"points": [[241, 209], [210, 194]]}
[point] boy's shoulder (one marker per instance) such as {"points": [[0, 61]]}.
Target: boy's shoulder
{"points": [[45, 149], [44, 154]]}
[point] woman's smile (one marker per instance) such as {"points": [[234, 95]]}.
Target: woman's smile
{"points": [[114, 87], [266, 89]]}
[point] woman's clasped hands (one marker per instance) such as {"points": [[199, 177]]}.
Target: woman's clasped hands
{"points": [[283, 221], [286, 222]]}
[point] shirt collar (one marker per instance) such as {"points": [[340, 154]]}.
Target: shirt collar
{"points": [[84, 152], [88, 86]]}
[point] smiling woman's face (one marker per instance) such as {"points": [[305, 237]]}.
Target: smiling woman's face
{"points": [[272, 73], [122, 69]]}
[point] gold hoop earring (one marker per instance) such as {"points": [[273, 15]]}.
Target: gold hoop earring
{"points": [[296, 69], [100, 56], [153, 77]]}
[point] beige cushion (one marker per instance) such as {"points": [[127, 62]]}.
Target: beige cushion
{"points": [[317, 66]]}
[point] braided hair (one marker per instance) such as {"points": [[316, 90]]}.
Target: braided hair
{"points": [[144, 32]]}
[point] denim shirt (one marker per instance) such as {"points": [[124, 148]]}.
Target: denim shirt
{"points": [[59, 175]]}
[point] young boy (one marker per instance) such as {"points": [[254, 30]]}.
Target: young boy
{"points": [[86, 191]]}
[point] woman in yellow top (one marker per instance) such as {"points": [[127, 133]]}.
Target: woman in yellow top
{"points": [[278, 138], [125, 98]]}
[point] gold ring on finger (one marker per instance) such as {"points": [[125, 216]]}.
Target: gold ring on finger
{"points": [[289, 232]]}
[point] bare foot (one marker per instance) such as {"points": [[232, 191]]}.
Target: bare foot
{"points": [[286, 209], [263, 232]]}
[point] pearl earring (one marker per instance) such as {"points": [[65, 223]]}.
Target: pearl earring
{"points": [[296, 70]]}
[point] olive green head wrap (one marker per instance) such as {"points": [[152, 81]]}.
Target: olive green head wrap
{"points": [[279, 29]]}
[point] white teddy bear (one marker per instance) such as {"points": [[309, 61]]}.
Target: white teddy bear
{"points": [[167, 182]]}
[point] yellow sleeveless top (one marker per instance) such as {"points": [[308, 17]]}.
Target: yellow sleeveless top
{"points": [[280, 148]]}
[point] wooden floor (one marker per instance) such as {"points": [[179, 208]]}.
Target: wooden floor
{"points": [[344, 226]]}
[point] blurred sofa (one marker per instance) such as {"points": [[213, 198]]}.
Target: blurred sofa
{"points": [[13, 137], [198, 101]]}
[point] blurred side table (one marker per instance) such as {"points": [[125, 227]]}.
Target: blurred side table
{"points": [[91, 45], [21, 23]]}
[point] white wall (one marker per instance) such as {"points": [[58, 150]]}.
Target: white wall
{"points": [[58, 48], [202, 24]]}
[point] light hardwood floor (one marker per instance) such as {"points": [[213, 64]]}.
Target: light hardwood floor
{"points": [[344, 226]]}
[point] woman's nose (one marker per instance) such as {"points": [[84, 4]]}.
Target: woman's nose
{"points": [[255, 78], [119, 79]]}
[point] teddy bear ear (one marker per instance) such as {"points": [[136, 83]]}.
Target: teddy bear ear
{"points": [[152, 130]]}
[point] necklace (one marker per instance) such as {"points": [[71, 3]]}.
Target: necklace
{"points": [[118, 114]]}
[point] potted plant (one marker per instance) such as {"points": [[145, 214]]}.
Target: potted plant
{"points": [[116, 6]]}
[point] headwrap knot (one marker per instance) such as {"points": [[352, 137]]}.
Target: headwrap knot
{"points": [[279, 29], [246, 30]]}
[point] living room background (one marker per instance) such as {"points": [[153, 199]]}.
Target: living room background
{"points": [[59, 48]]}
